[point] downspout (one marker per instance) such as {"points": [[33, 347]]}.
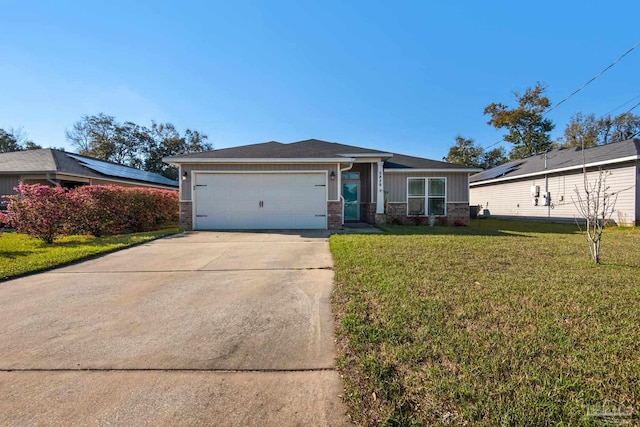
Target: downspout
{"points": [[340, 189]]}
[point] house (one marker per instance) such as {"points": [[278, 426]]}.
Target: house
{"points": [[56, 167], [314, 184], [543, 186]]}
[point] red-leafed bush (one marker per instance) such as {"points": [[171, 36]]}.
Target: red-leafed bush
{"points": [[140, 207], [3, 221], [97, 210], [39, 211], [46, 212]]}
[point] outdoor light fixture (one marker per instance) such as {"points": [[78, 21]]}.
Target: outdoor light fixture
{"points": [[184, 176], [332, 176]]}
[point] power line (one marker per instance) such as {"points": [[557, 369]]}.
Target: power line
{"points": [[620, 106], [630, 109], [593, 78], [585, 85]]}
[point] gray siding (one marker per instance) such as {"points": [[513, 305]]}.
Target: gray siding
{"points": [[185, 185], [7, 183], [396, 185], [513, 198]]}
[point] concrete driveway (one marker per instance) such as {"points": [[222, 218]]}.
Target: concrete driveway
{"points": [[204, 328]]}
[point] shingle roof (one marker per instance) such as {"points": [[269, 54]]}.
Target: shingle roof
{"points": [[400, 161], [310, 148], [317, 149], [53, 161], [559, 159]]}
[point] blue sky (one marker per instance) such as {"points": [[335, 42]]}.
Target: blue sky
{"points": [[404, 76]]}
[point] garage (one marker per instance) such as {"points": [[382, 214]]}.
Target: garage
{"points": [[260, 200]]}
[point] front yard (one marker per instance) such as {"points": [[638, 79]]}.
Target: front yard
{"points": [[21, 254], [499, 323]]}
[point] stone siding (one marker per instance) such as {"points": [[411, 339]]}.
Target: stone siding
{"points": [[334, 215], [186, 220]]}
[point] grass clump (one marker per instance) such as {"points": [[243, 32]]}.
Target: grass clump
{"points": [[499, 323], [21, 254]]}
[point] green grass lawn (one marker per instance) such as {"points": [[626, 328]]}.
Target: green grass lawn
{"points": [[499, 323], [20, 254]]}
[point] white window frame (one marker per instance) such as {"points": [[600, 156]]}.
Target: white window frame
{"points": [[426, 193]]}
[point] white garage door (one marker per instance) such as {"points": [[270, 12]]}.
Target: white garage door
{"points": [[234, 201]]}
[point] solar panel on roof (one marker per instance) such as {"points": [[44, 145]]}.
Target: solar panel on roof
{"points": [[500, 170], [122, 171]]}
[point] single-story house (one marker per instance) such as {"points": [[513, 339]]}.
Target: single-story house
{"points": [[56, 167], [315, 184], [543, 186]]}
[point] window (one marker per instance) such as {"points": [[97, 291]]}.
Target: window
{"points": [[416, 196], [426, 196], [350, 175]]}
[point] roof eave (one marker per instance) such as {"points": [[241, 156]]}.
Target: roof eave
{"points": [[180, 160], [67, 175], [438, 170], [557, 170], [372, 155]]}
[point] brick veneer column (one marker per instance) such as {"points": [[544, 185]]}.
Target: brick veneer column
{"points": [[334, 215], [186, 216]]}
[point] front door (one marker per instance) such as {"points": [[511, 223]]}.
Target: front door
{"points": [[351, 195]]}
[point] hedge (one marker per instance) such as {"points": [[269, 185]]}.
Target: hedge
{"points": [[45, 212]]}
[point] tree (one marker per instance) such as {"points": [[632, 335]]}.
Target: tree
{"points": [[587, 131], [15, 140], [527, 128], [79, 136], [622, 127], [466, 152], [166, 141], [8, 142], [30, 145], [581, 131], [596, 206], [128, 143], [493, 158], [94, 136]]}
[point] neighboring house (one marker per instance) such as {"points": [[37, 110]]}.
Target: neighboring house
{"points": [[55, 167], [315, 184], [544, 186]]}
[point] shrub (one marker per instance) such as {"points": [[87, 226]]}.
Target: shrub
{"points": [[139, 207], [97, 210], [45, 212], [442, 220], [3, 221], [420, 220], [39, 211], [148, 208]]}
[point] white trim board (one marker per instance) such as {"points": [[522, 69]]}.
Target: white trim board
{"points": [[451, 170], [187, 160]]}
